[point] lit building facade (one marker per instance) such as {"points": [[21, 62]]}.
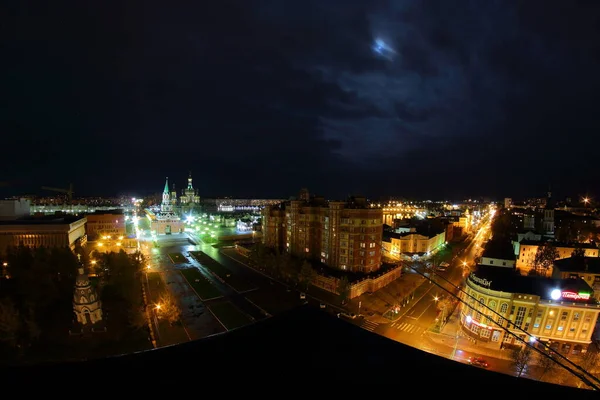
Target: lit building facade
{"points": [[166, 221], [47, 232], [190, 199], [392, 211], [105, 223], [409, 243], [528, 248], [345, 235], [14, 209], [559, 313]]}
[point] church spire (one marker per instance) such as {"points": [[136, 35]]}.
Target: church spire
{"points": [[190, 187], [166, 186]]}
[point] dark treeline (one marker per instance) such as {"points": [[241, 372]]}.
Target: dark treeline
{"points": [[36, 308]]}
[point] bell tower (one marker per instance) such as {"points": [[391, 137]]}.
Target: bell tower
{"points": [[166, 198], [86, 304]]}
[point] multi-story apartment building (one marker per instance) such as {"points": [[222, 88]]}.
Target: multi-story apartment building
{"points": [[345, 235], [529, 248], [273, 226]]}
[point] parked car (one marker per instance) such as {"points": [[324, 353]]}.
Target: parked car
{"points": [[478, 362], [302, 296]]}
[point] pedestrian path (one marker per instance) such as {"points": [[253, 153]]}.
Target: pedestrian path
{"points": [[369, 325], [406, 327]]}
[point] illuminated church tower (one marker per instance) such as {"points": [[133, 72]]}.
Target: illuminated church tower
{"points": [[166, 199], [166, 221], [189, 198]]}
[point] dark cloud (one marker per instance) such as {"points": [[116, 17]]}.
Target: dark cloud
{"points": [[263, 97]]}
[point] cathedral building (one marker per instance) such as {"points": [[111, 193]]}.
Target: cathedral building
{"points": [[167, 220], [189, 200]]}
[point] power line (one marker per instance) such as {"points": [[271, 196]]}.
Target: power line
{"points": [[569, 369]]}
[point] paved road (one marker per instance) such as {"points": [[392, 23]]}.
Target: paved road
{"points": [[417, 319], [159, 260]]}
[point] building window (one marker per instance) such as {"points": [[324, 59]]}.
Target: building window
{"points": [[576, 316], [520, 316], [503, 308], [564, 315], [496, 336], [485, 333]]}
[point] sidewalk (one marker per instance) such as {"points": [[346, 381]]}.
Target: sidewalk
{"points": [[384, 299], [452, 329], [378, 302], [313, 291]]}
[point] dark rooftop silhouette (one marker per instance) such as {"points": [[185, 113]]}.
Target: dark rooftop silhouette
{"points": [[508, 280], [306, 349]]}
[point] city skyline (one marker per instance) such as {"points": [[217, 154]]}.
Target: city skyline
{"points": [[21, 188], [374, 98]]}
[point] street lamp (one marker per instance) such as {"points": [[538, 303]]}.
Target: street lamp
{"points": [[455, 346]]}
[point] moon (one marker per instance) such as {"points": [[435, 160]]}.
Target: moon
{"points": [[382, 49]]}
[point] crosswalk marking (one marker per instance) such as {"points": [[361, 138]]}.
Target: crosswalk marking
{"points": [[408, 328], [369, 325]]}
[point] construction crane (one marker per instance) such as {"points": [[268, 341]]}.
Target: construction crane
{"points": [[69, 192]]}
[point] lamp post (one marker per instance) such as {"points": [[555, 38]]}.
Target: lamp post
{"points": [[455, 346], [156, 309]]}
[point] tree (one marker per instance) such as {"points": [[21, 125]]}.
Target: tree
{"points": [[520, 357], [591, 360], [137, 317], [168, 309], [578, 252], [444, 305], [258, 254], [343, 289], [544, 258], [547, 364], [307, 273], [10, 322], [272, 264]]}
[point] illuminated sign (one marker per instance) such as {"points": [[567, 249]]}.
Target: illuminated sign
{"points": [[483, 282], [470, 320], [575, 296]]}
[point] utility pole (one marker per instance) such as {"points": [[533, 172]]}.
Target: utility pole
{"points": [[455, 346]]}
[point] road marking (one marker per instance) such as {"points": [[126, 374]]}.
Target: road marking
{"points": [[408, 328], [369, 325]]}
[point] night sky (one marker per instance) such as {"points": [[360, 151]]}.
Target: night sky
{"points": [[431, 99]]}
